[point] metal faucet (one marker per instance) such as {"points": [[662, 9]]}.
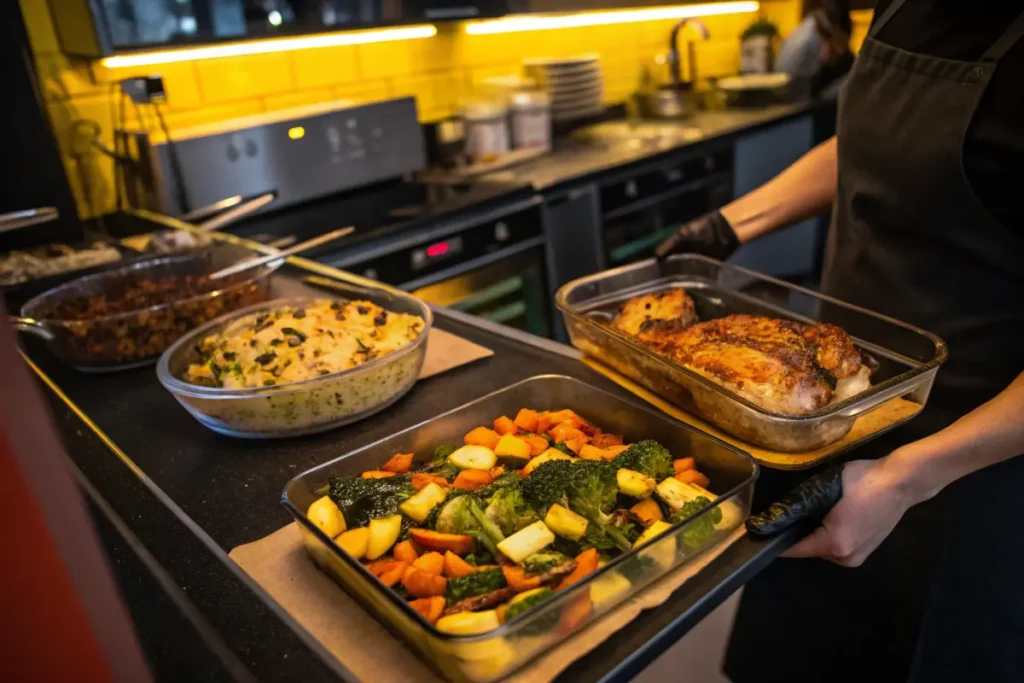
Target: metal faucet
{"points": [[674, 59]]}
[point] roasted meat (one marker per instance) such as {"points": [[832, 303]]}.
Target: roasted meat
{"points": [[668, 309], [781, 365]]}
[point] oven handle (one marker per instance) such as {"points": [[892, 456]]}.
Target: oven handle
{"points": [[706, 181]]}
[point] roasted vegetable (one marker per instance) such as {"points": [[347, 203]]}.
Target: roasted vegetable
{"points": [[430, 608], [648, 511], [547, 456], [508, 509], [477, 583], [361, 500], [460, 544], [383, 534], [423, 584], [421, 479], [526, 542], [565, 522], [586, 563], [634, 484], [676, 494], [482, 601], [684, 464], [504, 425], [376, 474], [399, 463], [354, 542], [512, 451], [469, 623], [471, 480], [526, 420], [524, 602], [406, 552], [647, 457], [698, 532], [473, 457], [455, 567], [693, 477], [463, 515], [326, 515], [482, 436], [544, 561], [418, 507], [656, 529], [432, 563]]}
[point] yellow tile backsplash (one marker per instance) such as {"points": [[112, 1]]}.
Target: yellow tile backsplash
{"points": [[440, 72]]}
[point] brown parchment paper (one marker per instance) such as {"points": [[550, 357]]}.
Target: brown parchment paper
{"points": [[446, 351], [279, 563]]}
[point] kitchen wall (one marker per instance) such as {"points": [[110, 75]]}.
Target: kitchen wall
{"points": [[438, 71]]}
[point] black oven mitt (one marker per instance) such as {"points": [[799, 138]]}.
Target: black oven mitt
{"points": [[809, 501], [710, 235]]}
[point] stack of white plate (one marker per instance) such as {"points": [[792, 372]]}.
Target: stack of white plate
{"points": [[575, 84]]}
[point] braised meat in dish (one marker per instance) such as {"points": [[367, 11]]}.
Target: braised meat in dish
{"points": [[669, 308], [781, 365]]}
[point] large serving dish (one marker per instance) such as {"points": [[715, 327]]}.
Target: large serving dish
{"points": [[127, 336], [304, 407], [492, 655], [908, 357]]}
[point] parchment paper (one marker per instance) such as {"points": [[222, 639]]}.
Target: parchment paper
{"points": [[446, 351], [280, 564]]}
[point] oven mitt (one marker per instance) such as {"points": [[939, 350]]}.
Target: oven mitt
{"points": [[810, 500]]}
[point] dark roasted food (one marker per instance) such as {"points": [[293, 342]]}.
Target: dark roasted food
{"points": [[670, 308]]}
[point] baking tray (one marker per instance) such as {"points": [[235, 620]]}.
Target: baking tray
{"points": [[908, 357], [491, 656]]}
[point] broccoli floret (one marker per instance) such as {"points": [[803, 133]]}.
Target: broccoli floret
{"points": [[443, 451], [544, 561], [527, 603], [648, 457], [474, 584], [361, 500], [503, 481], [462, 515], [698, 532], [546, 485], [440, 466], [508, 509]]}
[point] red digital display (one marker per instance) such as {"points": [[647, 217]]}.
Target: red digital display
{"points": [[439, 249]]}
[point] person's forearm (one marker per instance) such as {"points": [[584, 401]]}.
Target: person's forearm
{"points": [[991, 433], [803, 190]]}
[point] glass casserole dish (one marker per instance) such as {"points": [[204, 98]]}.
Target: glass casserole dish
{"points": [[497, 653], [908, 357], [307, 406], [128, 316]]}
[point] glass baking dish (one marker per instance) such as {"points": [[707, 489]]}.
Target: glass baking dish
{"points": [[907, 357], [312, 405], [125, 339], [492, 655]]}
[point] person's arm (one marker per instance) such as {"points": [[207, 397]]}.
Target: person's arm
{"points": [[803, 190], [876, 493]]}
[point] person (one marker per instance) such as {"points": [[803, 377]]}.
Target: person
{"points": [[928, 228], [817, 52]]}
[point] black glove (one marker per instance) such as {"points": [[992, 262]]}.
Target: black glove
{"points": [[810, 500], [710, 235]]}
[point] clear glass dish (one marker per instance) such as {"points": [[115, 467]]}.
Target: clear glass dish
{"points": [[908, 357], [131, 338], [493, 655], [306, 407]]}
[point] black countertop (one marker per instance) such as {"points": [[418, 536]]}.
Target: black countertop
{"points": [[173, 498]]}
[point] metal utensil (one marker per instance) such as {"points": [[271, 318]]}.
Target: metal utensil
{"points": [[236, 212], [302, 246], [23, 219]]}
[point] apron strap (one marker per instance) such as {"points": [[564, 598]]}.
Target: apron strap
{"points": [[1006, 41], [876, 26]]}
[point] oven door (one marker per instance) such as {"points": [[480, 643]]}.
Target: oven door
{"points": [[511, 291]]}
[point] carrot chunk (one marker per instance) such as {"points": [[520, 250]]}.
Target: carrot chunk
{"points": [[405, 551], [693, 477], [455, 567], [399, 463], [526, 420], [683, 464], [376, 474], [471, 480], [432, 563], [586, 562], [504, 425], [482, 436], [430, 608]]}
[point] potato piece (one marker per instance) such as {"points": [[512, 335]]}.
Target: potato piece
{"points": [[526, 420], [354, 542], [504, 425], [634, 484], [383, 534], [418, 507], [482, 436], [513, 451], [565, 522], [432, 563], [469, 623], [326, 515], [675, 493], [460, 544], [549, 454], [657, 528], [474, 458], [527, 541], [647, 509], [406, 552], [471, 480], [400, 463], [608, 588]]}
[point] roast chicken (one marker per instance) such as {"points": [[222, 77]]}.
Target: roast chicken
{"points": [[783, 366]]}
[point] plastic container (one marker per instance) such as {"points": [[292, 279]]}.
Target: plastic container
{"points": [[306, 407], [908, 357], [130, 338], [486, 126], [492, 655]]}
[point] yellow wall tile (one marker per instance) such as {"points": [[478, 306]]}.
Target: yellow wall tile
{"points": [[861, 24], [325, 66], [239, 78], [364, 91], [180, 81], [380, 60], [41, 33], [198, 117], [298, 99]]}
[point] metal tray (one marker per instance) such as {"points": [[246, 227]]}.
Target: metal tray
{"points": [[908, 357], [492, 655]]}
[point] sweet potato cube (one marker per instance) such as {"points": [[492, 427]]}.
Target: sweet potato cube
{"points": [[399, 463], [504, 425], [482, 436], [526, 420]]}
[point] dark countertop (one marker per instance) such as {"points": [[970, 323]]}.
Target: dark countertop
{"points": [[173, 498]]}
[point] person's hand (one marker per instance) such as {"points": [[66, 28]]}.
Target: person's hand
{"points": [[710, 235], [874, 499]]}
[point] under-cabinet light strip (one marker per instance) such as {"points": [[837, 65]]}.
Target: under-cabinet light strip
{"points": [[542, 22], [257, 47]]}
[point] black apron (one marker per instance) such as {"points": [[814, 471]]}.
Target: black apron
{"points": [[943, 597]]}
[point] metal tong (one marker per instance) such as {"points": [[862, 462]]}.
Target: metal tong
{"points": [[270, 258]]}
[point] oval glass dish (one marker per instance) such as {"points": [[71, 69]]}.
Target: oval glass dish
{"points": [[89, 324], [302, 407]]}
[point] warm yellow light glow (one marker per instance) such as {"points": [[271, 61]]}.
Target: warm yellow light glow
{"points": [[297, 133], [541, 22], [256, 47]]}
